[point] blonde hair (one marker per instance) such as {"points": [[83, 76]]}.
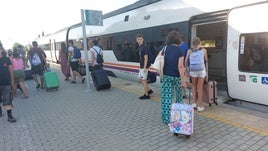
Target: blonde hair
{"points": [[196, 41]]}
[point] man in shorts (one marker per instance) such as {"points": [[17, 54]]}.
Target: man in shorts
{"points": [[144, 66], [38, 60], [74, 62], [6, 80]]}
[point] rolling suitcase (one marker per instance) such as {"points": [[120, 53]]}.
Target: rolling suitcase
{"points": [[100, 79], [28, 75], [210, 92], [51, 80], [181, 119]]}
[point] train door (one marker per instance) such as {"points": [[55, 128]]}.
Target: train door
{"points": [[247, 53], [211, 29]]}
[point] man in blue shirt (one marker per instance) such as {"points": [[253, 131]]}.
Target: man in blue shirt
{"points": [[184, 47], [144, 66]]}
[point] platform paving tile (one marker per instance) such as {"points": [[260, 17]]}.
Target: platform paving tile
{"points": [[71, 119]]}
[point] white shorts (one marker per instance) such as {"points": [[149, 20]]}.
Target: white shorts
{"points": [[143, 75], [197, 74]]}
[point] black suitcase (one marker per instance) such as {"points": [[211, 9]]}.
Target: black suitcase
{"points": [[28, 75], [100, 79]]}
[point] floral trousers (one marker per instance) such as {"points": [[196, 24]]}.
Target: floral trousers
{"points": [[170, 91]]}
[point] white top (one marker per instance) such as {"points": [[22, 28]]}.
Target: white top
{"points": [[99, 50]]}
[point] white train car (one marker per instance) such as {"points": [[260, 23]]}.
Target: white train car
{"points": [[206, 19], [247, 53]]}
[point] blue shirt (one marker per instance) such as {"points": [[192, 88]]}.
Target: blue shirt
{"points": [[185, 48], [172, 55]]}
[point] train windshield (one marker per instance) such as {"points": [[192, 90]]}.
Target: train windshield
{"points": [[253, 53]]}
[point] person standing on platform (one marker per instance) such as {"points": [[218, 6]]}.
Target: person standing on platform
{"points": [[94, 50], [173, 79], [19, 75], [6, 81], [63, 59], [184, 47], [74, 62], [38, 60], [144, 66], [198, 71]]}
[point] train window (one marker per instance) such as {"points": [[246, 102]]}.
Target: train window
{"points": [[253, 52]]}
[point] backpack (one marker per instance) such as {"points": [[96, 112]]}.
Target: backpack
{"points": [[99, 58], [36, 60], [197, 62], [77, 52]]}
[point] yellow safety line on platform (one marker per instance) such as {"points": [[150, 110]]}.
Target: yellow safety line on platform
{"points": [[211, 116], [223, 120]]}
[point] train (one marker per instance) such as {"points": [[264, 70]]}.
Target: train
{"points": [[227, 29]]}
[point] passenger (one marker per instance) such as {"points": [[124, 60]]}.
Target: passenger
{"points": [[19, 75], [184, 47], [63, 59], [173, 79], [74, 63], [37, 60], [94, 50], [6, 80], [144, 66], [197, 75]]}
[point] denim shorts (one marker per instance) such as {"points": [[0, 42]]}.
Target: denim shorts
{"points": [[6, 95], [198, 74]]}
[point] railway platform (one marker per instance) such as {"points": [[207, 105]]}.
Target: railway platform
{"points": [[70, 119]]}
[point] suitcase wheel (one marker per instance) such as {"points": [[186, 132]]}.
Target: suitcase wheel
{"points": [[209, 104], [176, 134], [188, 136], [216, 103]]}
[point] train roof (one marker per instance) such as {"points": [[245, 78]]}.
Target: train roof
{"points": [[130, 7], [150, 13]]}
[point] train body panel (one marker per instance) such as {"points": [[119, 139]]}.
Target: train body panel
{"points": [[154, 19], [247, 78]]}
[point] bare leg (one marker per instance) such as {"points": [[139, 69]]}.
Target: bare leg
{"points": [[14, 89], [194, 89], [24, 89], [145, 87], [200, 91]]}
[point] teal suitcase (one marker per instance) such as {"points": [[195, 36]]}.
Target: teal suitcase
{"points": [[51, 80]]}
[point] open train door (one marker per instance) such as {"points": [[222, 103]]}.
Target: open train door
{"points": [[247, 75], [211, 29]]}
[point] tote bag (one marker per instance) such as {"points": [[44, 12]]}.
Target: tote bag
{"points": [[159, 62]]}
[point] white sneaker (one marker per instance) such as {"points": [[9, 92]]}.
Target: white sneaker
{"points": [[194, 105], [200, 108]]}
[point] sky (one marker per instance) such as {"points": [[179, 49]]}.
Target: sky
{"points": [[23, 20]]}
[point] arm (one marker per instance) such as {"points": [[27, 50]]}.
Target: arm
{"points": [[145, 61], [26, 60], [181, 69], [206, 62], [44, 57], [186, 61], [92, 58], [10, 67]]}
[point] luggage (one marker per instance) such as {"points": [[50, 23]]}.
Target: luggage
{"points": [[181, 119], [100, 79], [151, 78], [28, 75], [51, 80], [210, 92]]}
